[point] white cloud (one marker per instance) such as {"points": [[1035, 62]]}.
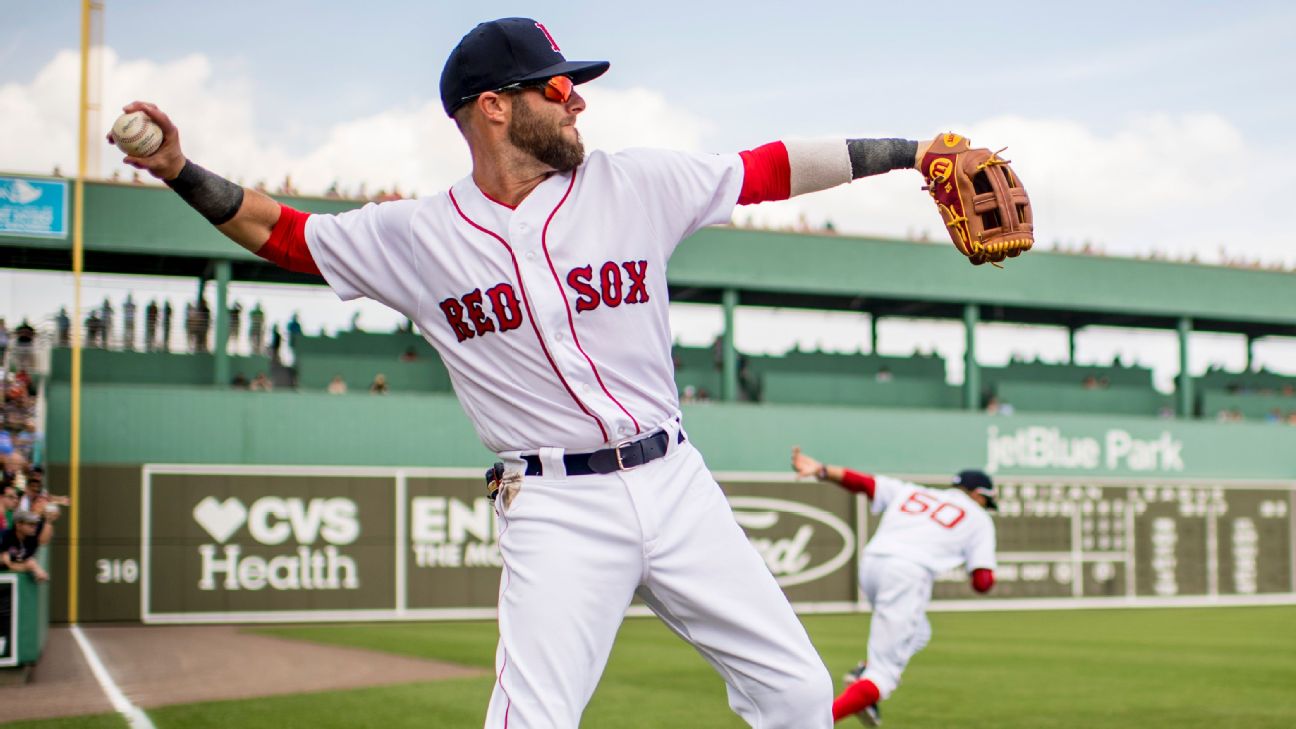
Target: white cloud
{"points": [[1174, 184], [1178, 184]]}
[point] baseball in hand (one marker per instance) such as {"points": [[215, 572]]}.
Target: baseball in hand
{"points": [[136, 134]]}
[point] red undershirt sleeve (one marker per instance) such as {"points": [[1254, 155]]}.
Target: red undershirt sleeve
{"points": [[858, 482], [287, 247], [982, 580], [767, 175]]}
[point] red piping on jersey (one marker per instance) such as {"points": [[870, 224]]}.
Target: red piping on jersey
{"points": [[544, 245], [767, 174], [530, 316], [858, 482], [982, 579], [497, 202], [287, 247]]}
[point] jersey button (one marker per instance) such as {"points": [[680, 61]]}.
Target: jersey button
{"points": [[530, 255], [623, 431], [585, 388], [558, 336]]}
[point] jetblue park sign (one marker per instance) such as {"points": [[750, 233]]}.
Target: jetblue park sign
{"points": [[1052, 448]]}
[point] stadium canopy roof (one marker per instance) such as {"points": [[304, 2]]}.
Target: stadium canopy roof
{"points": [[147, 230]]}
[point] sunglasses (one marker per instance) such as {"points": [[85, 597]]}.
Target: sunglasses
{"points": [[556, 88]]}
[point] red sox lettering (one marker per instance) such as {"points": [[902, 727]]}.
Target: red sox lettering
{"points": [[612, 285], [467, 309]]}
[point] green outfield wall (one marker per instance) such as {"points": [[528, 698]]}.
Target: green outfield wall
{"points": [[205, 505]]}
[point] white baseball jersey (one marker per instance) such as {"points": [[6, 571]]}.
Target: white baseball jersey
{"points": [[552, 318], [553, 321], [939, 529]]}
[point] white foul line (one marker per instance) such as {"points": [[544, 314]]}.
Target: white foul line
{"points": [[134, 715]]}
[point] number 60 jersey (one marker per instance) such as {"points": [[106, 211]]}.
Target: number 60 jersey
{"points": [[939, 529]]}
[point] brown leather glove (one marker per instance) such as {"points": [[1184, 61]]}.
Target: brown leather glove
{"points": [[982, 201]]}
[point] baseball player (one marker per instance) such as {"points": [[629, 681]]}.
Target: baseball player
{"points": [[540, 278], [923, 532]]}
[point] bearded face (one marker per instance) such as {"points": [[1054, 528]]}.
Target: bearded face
{"points": [[542, 138]]}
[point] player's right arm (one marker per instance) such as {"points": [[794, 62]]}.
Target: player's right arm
{"points": [[250, 218], [846, 478]]}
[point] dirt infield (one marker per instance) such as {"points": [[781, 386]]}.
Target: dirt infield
{"points": [[157, 666]]}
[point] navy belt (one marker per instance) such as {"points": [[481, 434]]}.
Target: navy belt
{"points": [[609, 460]]}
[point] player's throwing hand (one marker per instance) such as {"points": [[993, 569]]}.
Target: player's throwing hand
{"points": [[805, 466]]}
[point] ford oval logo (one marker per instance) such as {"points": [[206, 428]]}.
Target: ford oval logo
{"points": [[782, 532]]}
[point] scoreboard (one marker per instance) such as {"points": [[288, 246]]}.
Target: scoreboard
{"points": [[1131, 540]]}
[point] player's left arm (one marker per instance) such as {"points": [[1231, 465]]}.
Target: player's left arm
{"points": [[981, 557], [780, 170], [862, 483]]}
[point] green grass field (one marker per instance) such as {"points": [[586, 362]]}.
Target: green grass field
{"points": [[1215, 668]]}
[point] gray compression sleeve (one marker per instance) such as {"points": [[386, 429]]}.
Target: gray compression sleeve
{"points": [[875, 156], [213, 196]]}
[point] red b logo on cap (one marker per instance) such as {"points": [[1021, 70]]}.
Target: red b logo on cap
{"points": [[552, 43]]}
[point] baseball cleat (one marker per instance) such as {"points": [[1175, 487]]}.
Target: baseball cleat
{"points": [[871, 715], [854, 674]]}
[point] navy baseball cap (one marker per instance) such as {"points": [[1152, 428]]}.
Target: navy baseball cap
{"points": [[501, 52], [977, 482]]}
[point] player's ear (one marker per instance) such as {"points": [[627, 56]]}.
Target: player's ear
{"points": [[493, 107]]}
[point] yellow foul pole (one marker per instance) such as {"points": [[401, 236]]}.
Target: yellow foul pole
{"points": [[78, 248]]}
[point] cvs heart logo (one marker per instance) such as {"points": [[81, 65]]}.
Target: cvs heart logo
{"points": [[220, 519]]}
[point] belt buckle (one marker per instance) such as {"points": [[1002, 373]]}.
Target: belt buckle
{"points": [[620, 464]]}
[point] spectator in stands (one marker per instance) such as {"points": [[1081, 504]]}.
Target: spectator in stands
{"points": [[19, 544], [294, 330], [128, 323], [166, 327], [256, 329], [93, 329], [235, 321], [204, 324], [276, 341], [1274, 416], [337, 386], [9, 500], [379, 385], [261, 383], [4, 338], [106, 315], [1090, 382], [1291, 418], [995, 406], [64, 324], [884, 375], [240, 382], [24, 346], [150, 326], [409, 355]]}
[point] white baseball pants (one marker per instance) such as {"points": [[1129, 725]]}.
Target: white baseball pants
{"points": [[899, 591], [576, 550]]}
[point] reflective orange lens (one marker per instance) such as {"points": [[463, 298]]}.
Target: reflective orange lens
{"points": [[559, 88]]}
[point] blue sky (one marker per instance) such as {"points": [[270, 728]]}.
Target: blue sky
{"points": [[1141, 127]]}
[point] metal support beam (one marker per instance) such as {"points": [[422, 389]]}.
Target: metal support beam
{"points": [[971, 372], [873, 333], [1071, 344], [1250, 352], [1183, 383], [221, 370], [729, 372]]}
